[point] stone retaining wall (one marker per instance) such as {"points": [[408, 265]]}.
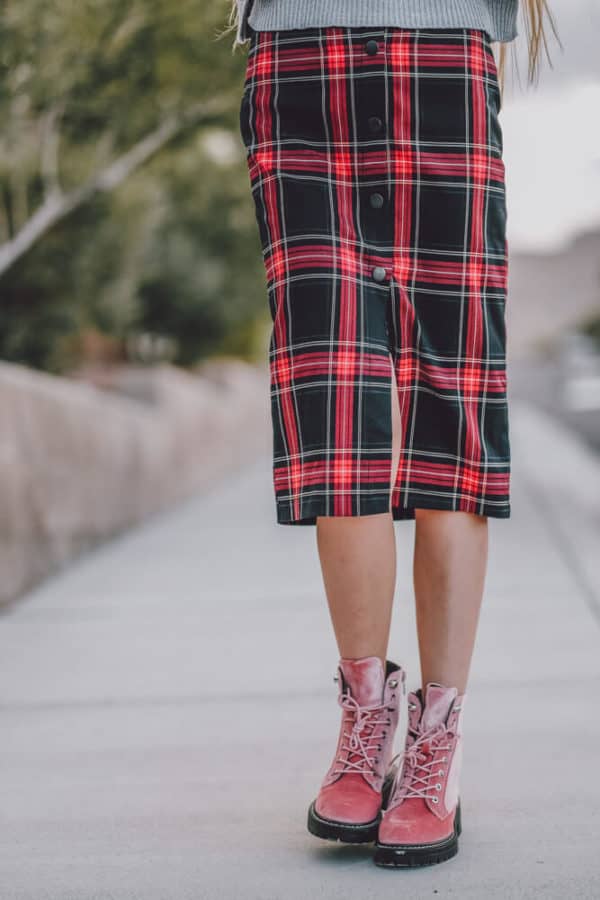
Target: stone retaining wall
{"points": [[78, 464]]}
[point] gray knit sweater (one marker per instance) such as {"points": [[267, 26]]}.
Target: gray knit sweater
{"points": [[497, 17]]}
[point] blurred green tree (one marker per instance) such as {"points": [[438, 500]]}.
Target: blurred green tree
{"points": [[124, 200]]}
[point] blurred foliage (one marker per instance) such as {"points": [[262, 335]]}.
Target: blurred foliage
{"points": [[173, 249], [591, 327]]}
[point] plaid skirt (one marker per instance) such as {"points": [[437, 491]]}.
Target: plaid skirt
{"points": [[375, 164]]}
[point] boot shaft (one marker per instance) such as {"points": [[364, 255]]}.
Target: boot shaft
{"points": [[430, 766], [369, 696]]}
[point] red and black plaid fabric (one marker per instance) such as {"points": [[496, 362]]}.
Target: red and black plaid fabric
{"points": [[375, 163]]}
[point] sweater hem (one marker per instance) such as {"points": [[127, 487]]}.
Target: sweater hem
{"points": [[496, 17]]}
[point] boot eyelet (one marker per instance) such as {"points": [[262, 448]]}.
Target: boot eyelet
{"points": [[394, 683], [438, 786], [336, 678], [412, 706], [441, 772], [435, 799], [444, 758]]}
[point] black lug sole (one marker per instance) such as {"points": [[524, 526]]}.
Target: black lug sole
{"points": [[402, 856], [329, 830]]}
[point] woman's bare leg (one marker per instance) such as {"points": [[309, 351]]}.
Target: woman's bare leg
{"points": [[358, 561], [450, 559]]}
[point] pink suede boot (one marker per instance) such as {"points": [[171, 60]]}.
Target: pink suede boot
{"points": [[348, 805], [421, 823]]}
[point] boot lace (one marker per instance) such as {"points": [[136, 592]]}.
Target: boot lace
{"points": [[420, 766], [361, 744]]}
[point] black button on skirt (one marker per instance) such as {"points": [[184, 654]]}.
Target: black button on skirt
{"points": [[376, 170]]}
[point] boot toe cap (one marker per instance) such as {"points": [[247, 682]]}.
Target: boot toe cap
{"points": [[412, 823], [350, 800]]}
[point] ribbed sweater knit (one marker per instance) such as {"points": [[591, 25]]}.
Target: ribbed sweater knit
{"points": [[497, 17]]}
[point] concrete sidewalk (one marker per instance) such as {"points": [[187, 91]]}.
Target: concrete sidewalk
{"points": [[168, 711]]}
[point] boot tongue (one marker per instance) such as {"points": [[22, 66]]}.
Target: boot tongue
{"points": [[438, 700], [365, 678]]}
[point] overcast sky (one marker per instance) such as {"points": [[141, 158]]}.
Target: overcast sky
{"points": [[552, 132]]}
